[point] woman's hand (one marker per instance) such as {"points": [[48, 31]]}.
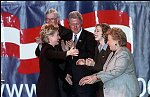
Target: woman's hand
{"points": [[90, 62], [80, 62], [87, 62], [70, 43], [88, 80], [64, 46], [73, 52]]}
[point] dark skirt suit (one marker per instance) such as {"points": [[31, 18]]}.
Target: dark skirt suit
{"points": [[47, 85]]}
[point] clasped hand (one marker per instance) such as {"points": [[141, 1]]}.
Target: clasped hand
{"points": [[67, 45], [73, 52], [88, 62]]}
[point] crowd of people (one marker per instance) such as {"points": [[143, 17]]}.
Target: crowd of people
{"points": [[88, 64]]}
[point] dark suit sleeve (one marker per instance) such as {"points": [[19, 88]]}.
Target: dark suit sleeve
{"points": [[38, 51], [65, 34], [52, 54], [90, 46], [87, 49], [61, 73], [100, 60], [68, 67], [95, 68]]}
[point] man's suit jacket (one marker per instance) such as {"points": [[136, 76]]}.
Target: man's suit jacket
{"points": [[118, 75], [86, 45]]}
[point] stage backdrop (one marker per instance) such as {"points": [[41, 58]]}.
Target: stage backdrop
{"points": [[21, 22]]}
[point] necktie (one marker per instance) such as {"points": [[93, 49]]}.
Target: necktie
{"points": [[75, 42], [75, 39]]}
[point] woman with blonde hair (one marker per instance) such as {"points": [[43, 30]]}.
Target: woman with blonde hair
{"points": [[47, 85]]}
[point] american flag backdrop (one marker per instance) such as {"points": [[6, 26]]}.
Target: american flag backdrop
{"points": [[21, 22]]}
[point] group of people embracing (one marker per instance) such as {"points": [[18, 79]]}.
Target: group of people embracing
{"points": [[89, 64]]}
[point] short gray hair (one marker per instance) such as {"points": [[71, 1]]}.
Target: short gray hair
{"points": [[75, 15], [52, 10]]}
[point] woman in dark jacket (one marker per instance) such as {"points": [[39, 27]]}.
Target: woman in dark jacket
{"points": [[102, 51], [47, 85]]}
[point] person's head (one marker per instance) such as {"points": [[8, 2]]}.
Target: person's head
{"points": [[49, 34], [75, 21], [52, 17], [116, 38], [100, 31]]}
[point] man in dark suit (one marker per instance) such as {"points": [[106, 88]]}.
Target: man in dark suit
{"points": [[52, 17], [85, 42]]}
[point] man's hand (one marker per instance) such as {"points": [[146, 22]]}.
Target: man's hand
{"points": [[73, 52], [87, 62], [90, 62], [68, 79]]}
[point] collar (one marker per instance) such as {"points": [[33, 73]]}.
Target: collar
{"points": [[105, 46], [77, 34]]}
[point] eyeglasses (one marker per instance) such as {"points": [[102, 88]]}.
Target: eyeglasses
{"points": [[50, 19], [76, 24]]}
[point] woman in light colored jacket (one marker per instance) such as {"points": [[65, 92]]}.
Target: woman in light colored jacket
{"points": [[118, 73]]}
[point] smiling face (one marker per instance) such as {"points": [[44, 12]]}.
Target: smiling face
{"points": [[75, 21], [113, 44], [116, 38], [49, 34], [98, 33]]}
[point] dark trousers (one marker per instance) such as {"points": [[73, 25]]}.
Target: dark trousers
{"points": [[100, 93], [75, 93]]}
